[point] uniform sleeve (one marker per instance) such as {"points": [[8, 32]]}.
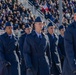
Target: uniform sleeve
{"points": [[68, 43], [27, 53], [56, 58], [21, 43], [59, 51], [2, 58], [18, 52], [21, 40], [48, 53]]}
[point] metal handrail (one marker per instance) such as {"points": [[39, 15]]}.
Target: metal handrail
{"points": [[37, 12], [41, 14]]}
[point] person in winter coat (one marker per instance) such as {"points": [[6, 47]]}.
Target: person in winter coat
{"points": [[69, 67], [36, 48], [53, 39], [9, 53]]}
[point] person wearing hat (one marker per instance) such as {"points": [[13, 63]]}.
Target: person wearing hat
{"points": [[36, 47], [44, 30], [61, 44], [53, 39], [69, 67], [27, 31], [9, 52]]}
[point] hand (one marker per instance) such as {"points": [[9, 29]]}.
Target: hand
{"points": [[29, 72], [28, 69], [50, 68], [20, 60], [74, 72], [62, 57], [7, 64]]}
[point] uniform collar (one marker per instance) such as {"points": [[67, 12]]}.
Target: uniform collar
{"points": [[34, 33], [61, 36], [6, 35], [10, 36], [39, 35], [51, 34]]}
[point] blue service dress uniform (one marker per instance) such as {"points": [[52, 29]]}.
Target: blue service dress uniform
{"points": [[35, 50], [56, 64], [9, 53], [21, 43], [61, 49], [69, 66]]}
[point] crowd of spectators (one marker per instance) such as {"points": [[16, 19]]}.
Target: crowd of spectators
{"points": [[16, 13], [19, 15], [50, 8]]}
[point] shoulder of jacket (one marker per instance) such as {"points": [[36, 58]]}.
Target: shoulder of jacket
{"points": [[71, 25], [59, 36], [3, 35], [69, 28], [28, 36], [22, 34]]}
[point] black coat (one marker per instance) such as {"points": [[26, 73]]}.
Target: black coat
{"points": [[35, 52], [9, 52], [70, 50], [56, 64]]}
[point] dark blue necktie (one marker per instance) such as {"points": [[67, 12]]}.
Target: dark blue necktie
{"points": [[40, 37], [10, 37]]}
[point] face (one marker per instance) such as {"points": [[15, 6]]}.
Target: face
{"points": [[75, 16], [38, 26], [9, 17], [62, 31], [28, 30], [23, 26], [8, 29], [51, 29]]}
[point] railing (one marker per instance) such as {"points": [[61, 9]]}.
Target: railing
{"points": [[37, 12], [1, 32]]}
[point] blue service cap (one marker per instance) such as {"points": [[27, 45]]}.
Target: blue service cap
{"points": [[8, 24], [61, 27], [27, 26], [38, 19], [50, 24]]}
